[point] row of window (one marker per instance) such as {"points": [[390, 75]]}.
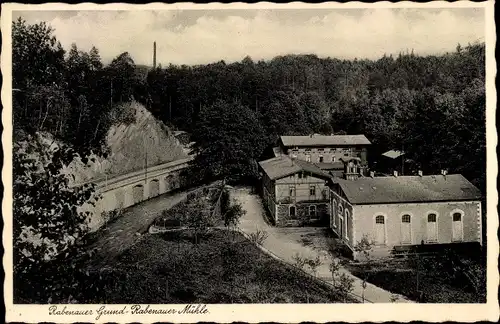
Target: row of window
{"points": [[339, 150], [311, 212], [292, 191], [343, 222], [431, 218], [431, 233], [321, 158]]}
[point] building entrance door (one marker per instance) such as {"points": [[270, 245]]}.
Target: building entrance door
{"points": [[406, 229], [457, 227], [431, 228], [380, 230]]}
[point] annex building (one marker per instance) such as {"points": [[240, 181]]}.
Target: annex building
{"points": [[295, 192], [397, 211], [325, 151]]}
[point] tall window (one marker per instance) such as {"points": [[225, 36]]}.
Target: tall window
{"points": [[405, 219], [457, 226], [291, 212], [346, 225], [292, 191], [321, 159], [312, 190], [431, 218], [312, 212], [334, 209]]}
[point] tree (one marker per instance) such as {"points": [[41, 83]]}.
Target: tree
{"points": [[197, 216], [340, 280], [227, 140], [314, 264], [364, 246], [122, 78], [37, 77], [315, 110], [258, 237], [37, 56], [47, 219], [233, 214]]}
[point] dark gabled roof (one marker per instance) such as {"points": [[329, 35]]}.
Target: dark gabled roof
{"points": [[283, 166], [379, 190], [349, 158], [324, 140], [276, 151]]}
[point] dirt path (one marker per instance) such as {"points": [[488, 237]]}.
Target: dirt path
{"points": [[305, 241]]}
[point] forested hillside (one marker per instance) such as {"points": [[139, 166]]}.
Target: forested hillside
{"points": [[432, 106], [69, 94]]}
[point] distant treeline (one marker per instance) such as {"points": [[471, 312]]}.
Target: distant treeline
{"points": [[68, 94], [432, 106]]}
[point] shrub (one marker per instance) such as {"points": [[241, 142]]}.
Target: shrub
{"points": [[299, 261], [258, 237]]}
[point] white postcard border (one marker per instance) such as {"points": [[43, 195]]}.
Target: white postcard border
{"points": [[263, 312]]}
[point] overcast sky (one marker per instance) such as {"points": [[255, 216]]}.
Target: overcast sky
{"points": [[204, 36]]}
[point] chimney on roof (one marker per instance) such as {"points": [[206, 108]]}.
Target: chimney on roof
{"points": [[154, 55], [395, 174], [420, 173], [372, 174]]}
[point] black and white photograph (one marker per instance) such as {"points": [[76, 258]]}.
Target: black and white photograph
{"points": [[254, 154]]}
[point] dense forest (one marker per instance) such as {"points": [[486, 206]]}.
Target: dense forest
{"points": [[69, 94], [433, 107]]}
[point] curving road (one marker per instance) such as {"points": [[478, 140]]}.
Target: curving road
{"points": [[125, 231], [305, 241]]}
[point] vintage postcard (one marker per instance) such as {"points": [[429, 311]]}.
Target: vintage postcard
{"points": [[249, 162]]}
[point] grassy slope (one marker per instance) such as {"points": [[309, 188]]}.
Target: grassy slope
{"points": [[163, 268], [168, 269], [434, 280]]}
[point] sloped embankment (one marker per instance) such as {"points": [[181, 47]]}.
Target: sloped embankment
{"points": [[146, 140]]}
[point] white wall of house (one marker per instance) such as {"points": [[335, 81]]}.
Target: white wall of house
{"points": [[298, 187], [414, 223]]}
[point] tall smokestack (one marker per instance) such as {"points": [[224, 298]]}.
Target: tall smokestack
{"points": [[154, 55]]}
